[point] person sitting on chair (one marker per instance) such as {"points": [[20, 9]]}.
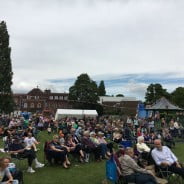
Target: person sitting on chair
{"points": [[117, 135], [17, 150], [30, 141], [89, 146], [132, 172], [58, 152], [165, 158], [142, 148], [72, 147]]}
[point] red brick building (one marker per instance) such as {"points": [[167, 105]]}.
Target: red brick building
{"points": [[37, 100]]}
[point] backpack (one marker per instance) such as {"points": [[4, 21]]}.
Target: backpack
{"points": [[111, 170]]}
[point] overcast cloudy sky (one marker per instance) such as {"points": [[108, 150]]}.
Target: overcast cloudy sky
{"points": [[127, 43]]}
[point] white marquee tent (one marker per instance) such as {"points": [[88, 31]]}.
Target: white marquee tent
{"points": [[78, 113]]}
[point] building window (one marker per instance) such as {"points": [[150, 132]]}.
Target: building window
{"points": [[51, 97], [25, 105], [56, 97], [32, 97], [66, 98], [39, 105], [61, 97], [32, 105]]}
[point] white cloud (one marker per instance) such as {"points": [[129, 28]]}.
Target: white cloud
{"points": [[61, 39]]}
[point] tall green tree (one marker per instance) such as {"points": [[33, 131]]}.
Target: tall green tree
{"points": [[177, 96], [154, 92], [84, 92], [101, 89], [6, 98]]}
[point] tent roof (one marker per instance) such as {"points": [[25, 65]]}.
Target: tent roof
{"points": [[69, 111], [163, 104], [79, 113]]}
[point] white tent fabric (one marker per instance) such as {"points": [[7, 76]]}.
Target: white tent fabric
{"points": [[78, 113]]}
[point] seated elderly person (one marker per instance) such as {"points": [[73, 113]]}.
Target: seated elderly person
{"points": [[100, 143], [58, 152], [144, 155], [17, 149], [132, 172], [165, 158], [107, 147], [117, 135], [72, 147], [89, 146], [141, 146]]}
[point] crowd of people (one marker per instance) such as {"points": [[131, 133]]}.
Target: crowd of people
{"points": [[91, 136]]}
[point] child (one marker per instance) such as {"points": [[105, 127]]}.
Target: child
{"points": [[30, 142]]}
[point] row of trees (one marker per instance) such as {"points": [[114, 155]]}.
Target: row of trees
{"points": [[156, 91], [86, 92]]}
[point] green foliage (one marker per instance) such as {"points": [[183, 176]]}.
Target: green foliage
{"points": [[155, 92], [177, 96], [84, 92], [6, 99], [101, 89]]}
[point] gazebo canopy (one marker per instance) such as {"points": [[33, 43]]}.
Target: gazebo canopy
{"points": [[164, 104]]}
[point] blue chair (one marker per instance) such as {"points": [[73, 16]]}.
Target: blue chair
{"points": [[126, 144]]}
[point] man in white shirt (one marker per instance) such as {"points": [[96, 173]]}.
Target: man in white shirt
{"points": [[165, 158]]}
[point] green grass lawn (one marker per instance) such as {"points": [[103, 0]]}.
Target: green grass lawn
{"points": [[90, 173]]}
